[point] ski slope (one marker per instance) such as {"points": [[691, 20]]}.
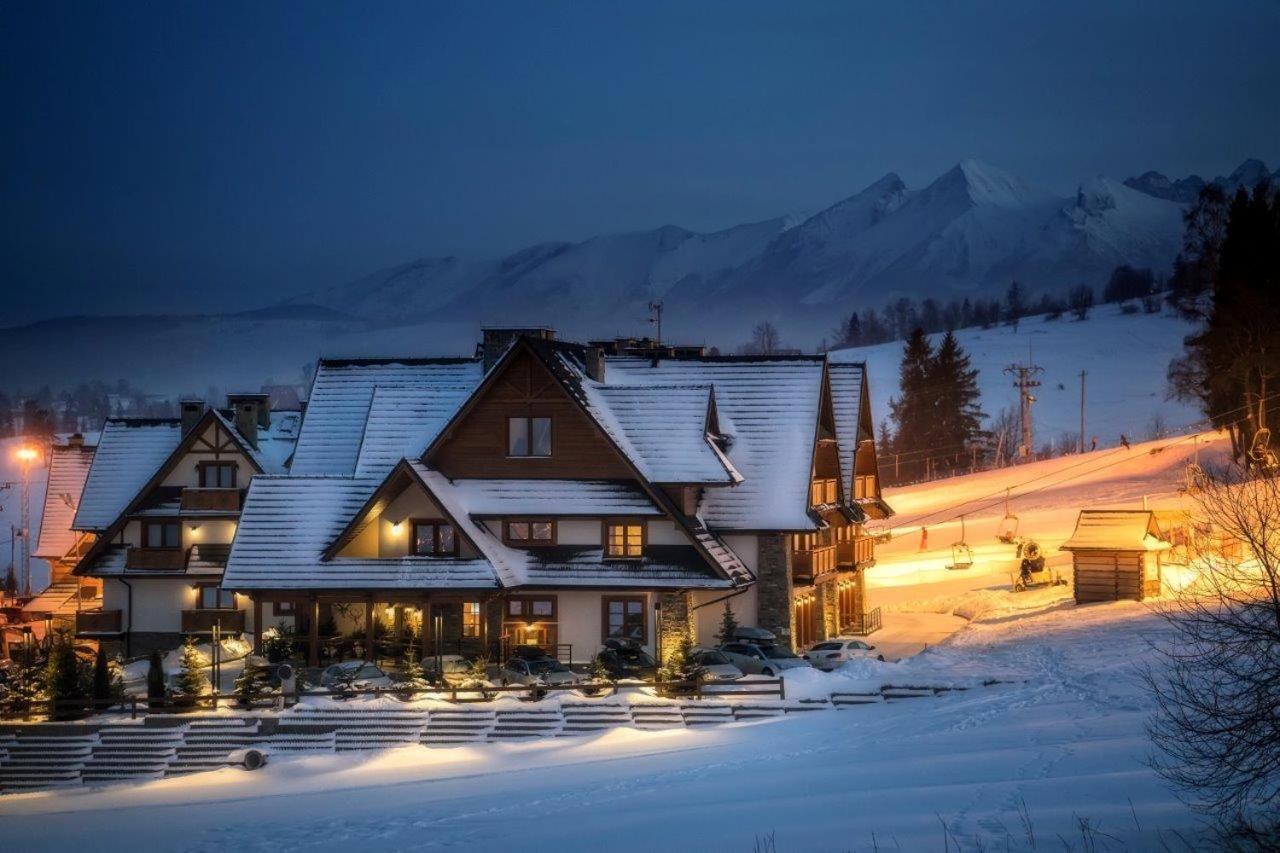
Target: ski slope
{"points": [[1125, 357]]}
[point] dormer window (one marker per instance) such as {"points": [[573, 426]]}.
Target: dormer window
{"points": [[434, 539], [527, 533], [217, 475], [528, 437]]}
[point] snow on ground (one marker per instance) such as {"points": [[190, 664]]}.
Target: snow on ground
{"points": [[11, 509], [1064, 736], [1125, 356]]}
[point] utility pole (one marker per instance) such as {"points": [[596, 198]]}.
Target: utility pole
{"points": [[26, 455], [655, 309], [1024, 380], [1082, 375]]}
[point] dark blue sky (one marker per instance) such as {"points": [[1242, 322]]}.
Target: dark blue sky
{"points": [[165, 156]]}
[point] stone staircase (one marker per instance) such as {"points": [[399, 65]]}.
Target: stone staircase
{"points": [[35, 761], [131, 751], [208, 741], [355, 728], [453, 727]]}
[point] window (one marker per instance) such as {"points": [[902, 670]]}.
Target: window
{"points": [[471, 619], [434, 539], [161, 534], [624, 618], [624, 540], [282, 608], [211, 597], [531, 532], [528, 436], [531, 609], [217, 475]]}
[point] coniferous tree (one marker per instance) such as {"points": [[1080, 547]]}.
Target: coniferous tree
{"points": [[913, 411], [155, 679], [191, 677], [1015, 304], [62, 675], [414, 679], [728, 625], [101, 680], [954, 383]]}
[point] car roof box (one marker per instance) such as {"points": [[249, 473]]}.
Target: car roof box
{"points": [[754, 635]]}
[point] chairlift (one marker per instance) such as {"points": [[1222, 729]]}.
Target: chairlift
{"points": [[1260, 450], [1007, 531], [961, 553]]}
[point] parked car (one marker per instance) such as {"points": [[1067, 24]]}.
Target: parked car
{"points": [[715, 664], [541, 671], [357, 674], [830, 654], [761, 660], [625, 659]]}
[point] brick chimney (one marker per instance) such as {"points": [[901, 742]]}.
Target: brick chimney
{"points": [[251, 412], [192, 411], [495, 340]]}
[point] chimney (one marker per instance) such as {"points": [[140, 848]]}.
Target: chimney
{"points": [[595, 363], [76, 439], [251, 412], [192, 411], [495, 340]]}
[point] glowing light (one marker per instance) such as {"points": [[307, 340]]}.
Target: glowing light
{"points": [[28, 454], [396, 527]]}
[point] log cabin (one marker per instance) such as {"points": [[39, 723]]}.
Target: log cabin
{"points": [[1116, 554]]}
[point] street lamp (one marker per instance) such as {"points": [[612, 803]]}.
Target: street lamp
{"points": [[26, 455]]}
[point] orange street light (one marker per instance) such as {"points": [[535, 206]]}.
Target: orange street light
{"points": [[28, 454]]}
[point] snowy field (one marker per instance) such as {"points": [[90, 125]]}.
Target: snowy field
{"points": [[1125, 356]]}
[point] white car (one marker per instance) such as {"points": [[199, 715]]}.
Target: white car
{"points": [[830, 654], [762, 660], [715, 665], [357, 674]]}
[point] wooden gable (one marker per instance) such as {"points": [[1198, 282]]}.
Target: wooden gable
{"points": [[475, 444]]}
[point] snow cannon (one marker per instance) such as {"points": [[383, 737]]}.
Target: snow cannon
{"points": [[249, 759]]}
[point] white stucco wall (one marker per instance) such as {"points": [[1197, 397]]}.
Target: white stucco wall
{"points": [[707, 619]]}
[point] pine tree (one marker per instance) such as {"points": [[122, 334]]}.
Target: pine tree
{"points": [[728, 625], [155, 680], [1015, 304], [954, 384], [62, 675], [191, 678], [414, 679], [27, 681], [251, 682], [678, 666], [913, 411], [101, 680]]}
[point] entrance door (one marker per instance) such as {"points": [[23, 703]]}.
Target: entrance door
{"points": [[805, 630]]}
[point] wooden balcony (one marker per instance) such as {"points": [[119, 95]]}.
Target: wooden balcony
{"points": [[156, 559], [823, 492], [202, 621], [809, 564], [859, 551], [96, 622], [211, 500]]}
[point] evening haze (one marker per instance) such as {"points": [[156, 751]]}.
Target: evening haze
{"points": [[230, 156]]}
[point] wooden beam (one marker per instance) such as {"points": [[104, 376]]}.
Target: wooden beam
{"points": [[369, 641], [257, 624], [425, 625], [313, 634]]}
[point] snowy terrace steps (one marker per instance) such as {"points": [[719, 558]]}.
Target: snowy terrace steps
{"points": [[35, 761], [209, 741], [463, 725], [130, 751], [355, 728]]}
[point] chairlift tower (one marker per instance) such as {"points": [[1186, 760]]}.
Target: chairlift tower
{"points": [[655, 312], [1024, 380]]}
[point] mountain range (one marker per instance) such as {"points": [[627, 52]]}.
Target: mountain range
{"points": [[968, 233]]}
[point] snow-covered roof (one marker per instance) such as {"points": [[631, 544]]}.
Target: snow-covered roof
{"points": [[342, 397], [275, 442], [402, 421], [663, 429], [68, 469], [768, 408], [552, 498], [1116, 530], [287, 524], [846, 403], [129, 452], [58, 599]]}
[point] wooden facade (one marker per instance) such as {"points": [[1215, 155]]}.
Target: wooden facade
{"points": [[1112, 575]]}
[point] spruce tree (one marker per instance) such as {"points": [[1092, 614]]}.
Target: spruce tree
{"points": [[414, 679], [191, 677], [913, 411], [62, 676], [728, 625], [251, 682], [101, 680], [155, 680], [954, 383]]}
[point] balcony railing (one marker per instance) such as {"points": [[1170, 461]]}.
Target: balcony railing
{"points": [[98, 622], [823, 492], [211, 500], [202, 621], [156, 559], [858, 551], [861, 624], [813, 562]]}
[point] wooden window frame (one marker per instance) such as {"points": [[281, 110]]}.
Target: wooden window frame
{"points": [[526, 610], [479, 619], [201, 587], [202, 470], [531, 542], [624, 522], [606, 600], [148, 523], [528, 436], [435, 524]]}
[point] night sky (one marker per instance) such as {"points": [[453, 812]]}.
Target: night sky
{"points": [[214, 156]]}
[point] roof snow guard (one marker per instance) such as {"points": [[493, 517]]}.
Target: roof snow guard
{"points": [[1116, 530]]}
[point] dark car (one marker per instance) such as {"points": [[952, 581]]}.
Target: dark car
{"points": [[627, 660]]}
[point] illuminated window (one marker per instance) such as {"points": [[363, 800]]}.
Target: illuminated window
{"points": [[471, 619], [531, 532], [434, 539], [528, 436], [624, 540]]}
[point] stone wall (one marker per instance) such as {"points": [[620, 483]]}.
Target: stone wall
{"points": [[675, 620], [827, 604], [773, 572]]}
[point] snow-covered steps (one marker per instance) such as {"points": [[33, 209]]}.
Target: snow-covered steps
{"points": [[292, 741], [854, 700], [357, 728], [892, 693], [705, 713], [126, 751], [448, 728], [45, 761], [520, 724], [657, 716], [758, 712], [208, 741], [804, 706], [583, 718]]}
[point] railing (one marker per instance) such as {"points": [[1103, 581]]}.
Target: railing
{"points": [[211, 499], [813, 562], [857, 551], [161, 559], [861, 624], [98, 622], [822, 492], [203, 621]]}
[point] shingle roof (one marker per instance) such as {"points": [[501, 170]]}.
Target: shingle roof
{"points": [[68, 469], [769, 409], [663, 428], [1116, 530], [129, 452], [552, 498], [288, 522], [402, 421], [275, 443], [340, 402]]}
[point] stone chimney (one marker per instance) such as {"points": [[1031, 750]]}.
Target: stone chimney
{"points": [[192, 411], [76, 439], [251, 413], [595, 363], [495, 340]]}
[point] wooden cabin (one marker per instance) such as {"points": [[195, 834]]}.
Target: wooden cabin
{"points": [[1116, 554]]}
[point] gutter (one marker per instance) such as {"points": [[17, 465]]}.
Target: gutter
{"points": [[733, 594]]}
